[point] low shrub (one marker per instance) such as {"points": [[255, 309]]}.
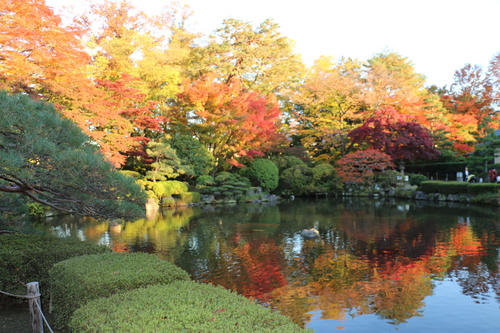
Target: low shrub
{"points": [[76, 281], [27, 258], [416, 179], [262, 173], [389, 178], [182, 306], [482, 188], [453, 187], [429, 186]]}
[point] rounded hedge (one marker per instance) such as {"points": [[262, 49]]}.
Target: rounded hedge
{"points": [[182, 306], [76, 281], [26, 258], [264, 173]]}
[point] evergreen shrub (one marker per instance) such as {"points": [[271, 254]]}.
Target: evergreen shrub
{"points": [[429, 186], [168, 188], [453, 187], [27, 258], [416, 179], [482, 188], [182, 306], [263, 173], [234, 184], [76, 281], [388, 178]]}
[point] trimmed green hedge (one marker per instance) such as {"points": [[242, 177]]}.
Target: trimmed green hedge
{"points": [[452, 187], [183, 306], [27, 258], [482, 188], [76, 281], [429, 186], [459, 188]]}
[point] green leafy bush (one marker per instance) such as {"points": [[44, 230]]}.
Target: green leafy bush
{"points": [[168, 188], [416, 179], [482, 188], [28, 258], [295, 179], [429, 186], [224, 184], [389, 178], [262, 172], [452, 187], [76, 281], [182, 306]]}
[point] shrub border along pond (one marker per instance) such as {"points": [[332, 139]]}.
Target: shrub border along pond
{"points": [[143, 293], [183, 306], [429, 187], [78, 280], [27, 258]]}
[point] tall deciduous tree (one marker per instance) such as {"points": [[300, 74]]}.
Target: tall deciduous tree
{"points": [[229, 121], [260, 58], [392, 133], [38, 55], [326, 106], [48, 159]]}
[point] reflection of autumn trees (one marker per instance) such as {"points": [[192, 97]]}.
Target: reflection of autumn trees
{"points": [[384, 267]]}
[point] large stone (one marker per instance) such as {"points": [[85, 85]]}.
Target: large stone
{"points": [[419, 195]]}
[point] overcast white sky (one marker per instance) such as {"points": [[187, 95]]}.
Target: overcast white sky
{"points": [[438, 36]]}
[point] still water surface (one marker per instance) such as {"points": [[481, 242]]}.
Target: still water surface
{"points": [[378, 265]]}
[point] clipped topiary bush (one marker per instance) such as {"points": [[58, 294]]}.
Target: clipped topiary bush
{"points": [[28, 258], [224, 184], [429, 187], [168, 188], [452, 187], [76, 281], [482, 188], [264, 173], [183, 306], [416, 179]]}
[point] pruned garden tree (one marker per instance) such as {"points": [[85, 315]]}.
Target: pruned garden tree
{"points": [[395, 135], [359, 167], [49, 160]]}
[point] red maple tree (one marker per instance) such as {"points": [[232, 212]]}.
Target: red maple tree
{"points": [[396, 135]]}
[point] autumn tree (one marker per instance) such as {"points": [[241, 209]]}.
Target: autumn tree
{"points": [[470, 96], [39, 56], [259, 58], [359, 167], [230, 122], [392, 133], [390, 80], [326, 106], [49, 160]]}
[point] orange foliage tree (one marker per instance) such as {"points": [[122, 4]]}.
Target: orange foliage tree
{"points": [[229, 121]]}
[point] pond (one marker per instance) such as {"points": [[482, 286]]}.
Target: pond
{"points": [[377, 265]]}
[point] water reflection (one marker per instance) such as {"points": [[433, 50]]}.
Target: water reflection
{"points": [[378, 262]]}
